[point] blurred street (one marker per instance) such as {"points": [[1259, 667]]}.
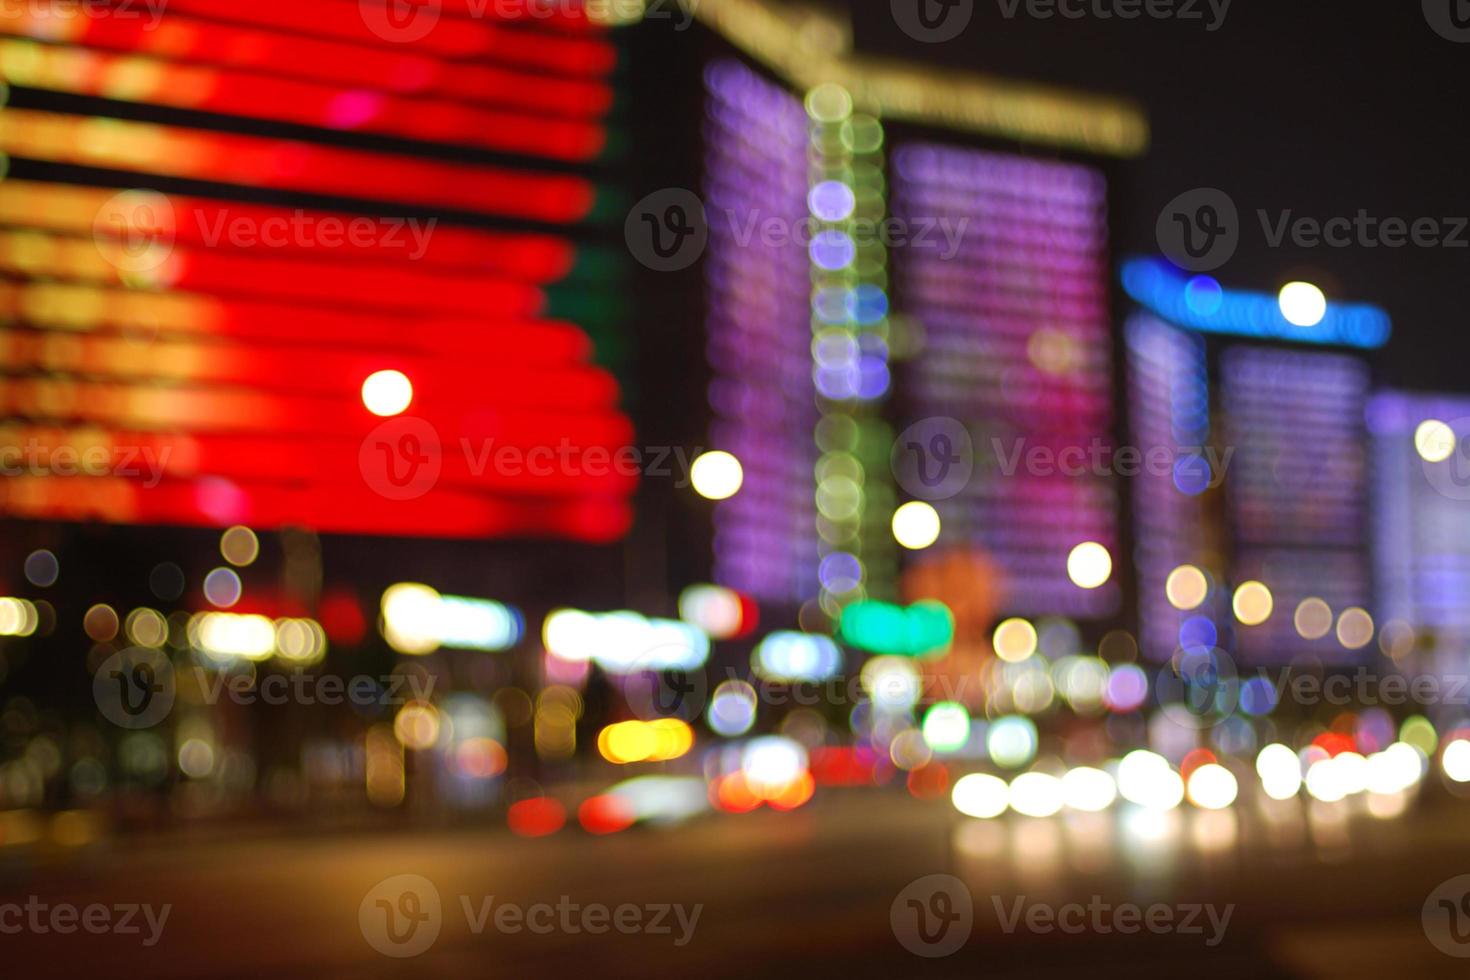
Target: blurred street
{"points": [[805, 894]]}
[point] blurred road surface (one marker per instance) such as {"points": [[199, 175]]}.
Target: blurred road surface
{"points": [[804, 894]]}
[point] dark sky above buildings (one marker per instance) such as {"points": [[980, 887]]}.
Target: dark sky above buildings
{"points": [[1322, 107]]}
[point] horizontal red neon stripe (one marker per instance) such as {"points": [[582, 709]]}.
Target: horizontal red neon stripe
{"points": [[372, 69], [453, 37], [226, 225], [214, 410], [562, 15], [217, 503], [258, 96], [564, 469], [439, 382], [376, 285], [140, 317], [291, 165]]}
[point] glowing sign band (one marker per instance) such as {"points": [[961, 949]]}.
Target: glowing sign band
{"points": [[255, 161], [258, 96], [1164, 290], [402, 69]]}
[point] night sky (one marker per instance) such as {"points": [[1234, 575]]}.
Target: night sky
{"points": [[1320, 107]]}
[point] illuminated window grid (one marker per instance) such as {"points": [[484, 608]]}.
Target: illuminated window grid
{"points": [[1168, 406], [1017, 347], [1296, 489], [759, 338], [1421, 529]]}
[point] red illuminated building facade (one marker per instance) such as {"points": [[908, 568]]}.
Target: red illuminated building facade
{"points": [[220, 224]]}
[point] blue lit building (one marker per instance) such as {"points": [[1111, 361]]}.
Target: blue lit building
{"points": [[1268, 495]]}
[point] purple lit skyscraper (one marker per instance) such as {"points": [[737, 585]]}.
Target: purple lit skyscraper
{"points": [[1016, 346], [759, 334], [834, 320]]}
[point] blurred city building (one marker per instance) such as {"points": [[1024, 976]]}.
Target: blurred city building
{"points": [[898, 279], [1254, 534]]}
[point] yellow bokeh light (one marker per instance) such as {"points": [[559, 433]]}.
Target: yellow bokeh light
{"points": [[146, 628], [1014, 640], [1186, 587], [220, 634], [616, 13], [300, 641], [1089, 565], [916, 525], [1396, 639], [829, 103], [239, 545], [645, 741], [1212, 787], [417, 725], [1354, 628], [1252, 603], [101, 622], [387, 393], [1052, 351], [75, 828], [1302, 303], [1434, 441], [1313, 618], [18, 617], [716, 475], [411, 614]]}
